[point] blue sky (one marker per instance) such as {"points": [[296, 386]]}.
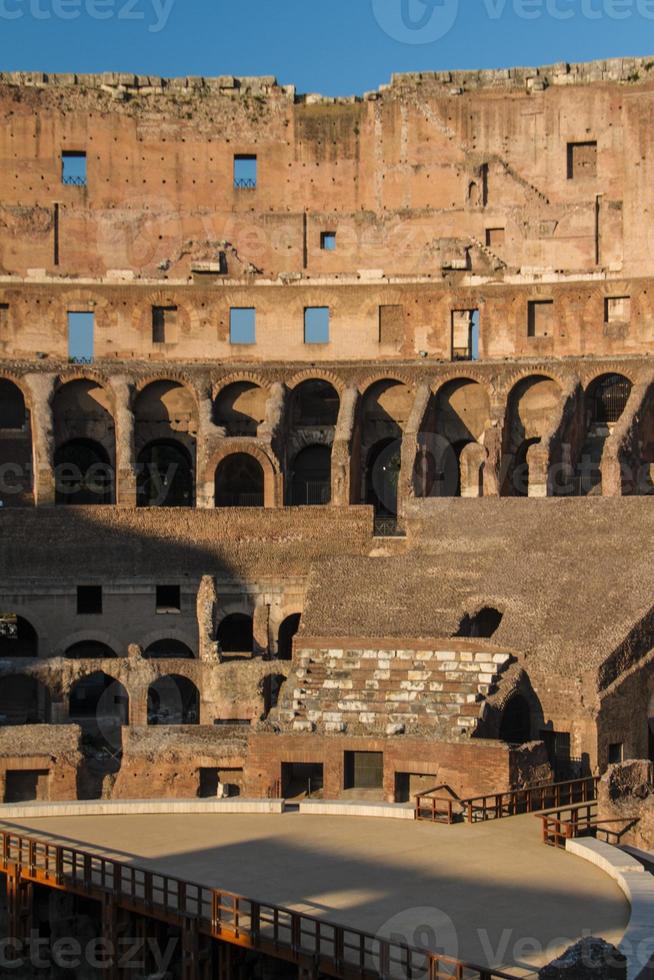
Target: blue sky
{"points": [[336, 47]]}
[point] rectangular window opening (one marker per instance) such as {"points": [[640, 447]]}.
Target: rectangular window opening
{"points": [[316, 325], [540, 318], [328, 241], [89, 600], [81, 329], [465, 335], [617, 309], [242, 325], [245, 172], [164, 324], [495, 237], [169, 599], [73, 168], [363, 770], [616, 753], [582, 160]]}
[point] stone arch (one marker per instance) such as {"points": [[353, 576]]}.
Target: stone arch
{"points": [[246, 447], [384, 411], [235, 634], [532, 408], [168, 648], [239, 481], [16, 462], [165, 432], [314, 404], [240, 407], [450, 459], [316, 374], [24, 700], [483, 623], [98, 697], [89, 649], [173, 700], [606, 398], [84, 442], [18, 638]]}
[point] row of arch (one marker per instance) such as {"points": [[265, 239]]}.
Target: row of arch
{"points": [[450, 457], [234, 635], [171, 700]]}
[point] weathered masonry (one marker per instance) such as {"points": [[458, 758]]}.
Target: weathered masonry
{"points": [[326, 432]]}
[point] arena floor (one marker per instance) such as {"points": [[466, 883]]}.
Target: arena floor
{"points": [[489, 894]]}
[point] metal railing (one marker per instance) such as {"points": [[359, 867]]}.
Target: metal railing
{"points": [[245, 183], [322, 946], [388, 527], [496, 806], [74, 181]]}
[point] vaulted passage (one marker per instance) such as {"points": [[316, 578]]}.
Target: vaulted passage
{"points": [[287, 630], [515, 726], [168, 649], [16, 483], [85, 452], [384, 412], [173, 700], [99, 698], [240, 408], [165, 427], [17, 637], [165, 475], [235, 634], [89, 650], [23, 701], [239, 482], [310, 477]]}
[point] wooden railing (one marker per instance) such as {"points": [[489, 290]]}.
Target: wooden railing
{"points": [[582, 821], [317, 946], [496, 806]]}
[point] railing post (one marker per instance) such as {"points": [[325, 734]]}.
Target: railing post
{"points": [[110, 936]]}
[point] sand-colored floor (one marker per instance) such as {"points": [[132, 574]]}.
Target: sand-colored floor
{"points": [[490, 893]]}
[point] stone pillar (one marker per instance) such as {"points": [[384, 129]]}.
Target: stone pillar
{"points": [[492, 441], [261, 626], [204, 481], [207, 615], [538, 461], [342, 449], [41, 387], [472, 466], [411, 446], [125, 448], [270, 432]]}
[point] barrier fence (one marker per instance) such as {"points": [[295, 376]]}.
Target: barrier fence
{"points": [[315, 945], [495, 806]]}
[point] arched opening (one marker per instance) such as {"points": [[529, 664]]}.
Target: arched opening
{"points": [[239, 482], [532, 411], [165, 475], [383, 477], [23, 701], [311, 474], [315, 404], [456, 418], [607, 398], [89, 650], [605, 401], [287, 630], [17, 637], [384, 412], [173, 700], [85, 449], [484, 623], [240, 408], [165, 430], [15, 448], [83, 474], [99, 697], [235, 634], [515, 726], [168, 649]]}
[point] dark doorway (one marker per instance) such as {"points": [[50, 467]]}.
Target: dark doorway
{"points": [[302, 779], [173, 700], [165, 475], [239, 482], [608, 398], [287, 631], [168, 649], [484, 623], [17, 637], [99, 696], [312, 475], [235, 634], [83, 474], [515, 727], [89, 650], [26, 785], [364, 770]]}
